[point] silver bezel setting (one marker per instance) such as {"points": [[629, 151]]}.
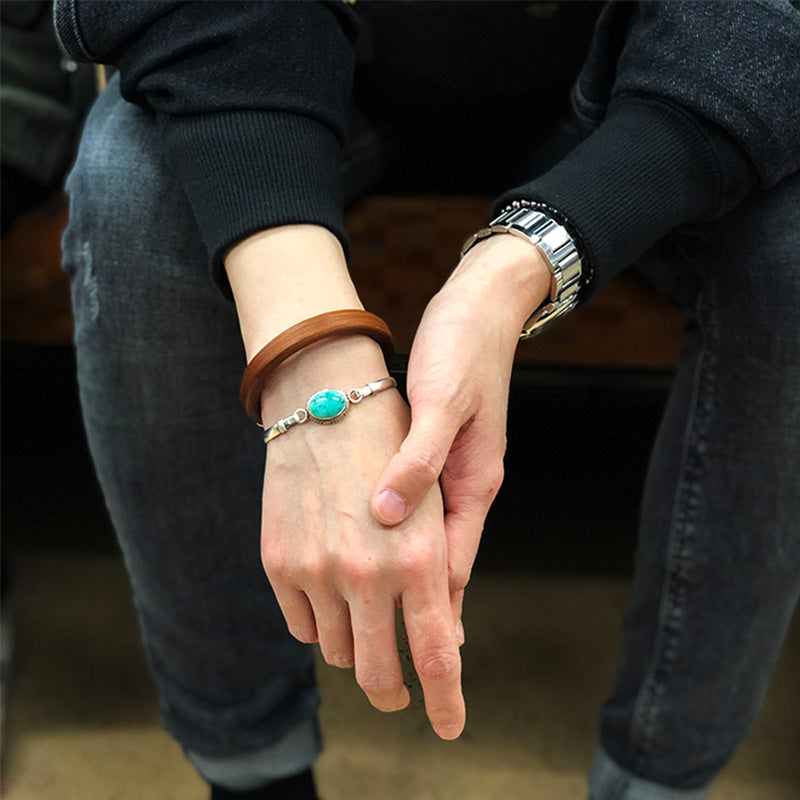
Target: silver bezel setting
{"points": [[351, 397], [328, 420]]}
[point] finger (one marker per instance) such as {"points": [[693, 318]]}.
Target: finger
{"points": [[298, 613], [414, 468], [463, 530], [334, 631], [377, 662], [431, 634], [456, 606]]}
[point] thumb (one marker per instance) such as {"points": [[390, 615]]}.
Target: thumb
{"points": [[414, 468]]}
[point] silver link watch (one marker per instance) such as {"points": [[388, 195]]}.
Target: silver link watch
{"points": [[527, 221]]}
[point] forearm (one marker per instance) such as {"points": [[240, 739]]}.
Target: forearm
{"points": [[285, 275]]}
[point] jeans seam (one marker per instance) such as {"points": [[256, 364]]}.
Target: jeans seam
{"points": [[681, 539]]}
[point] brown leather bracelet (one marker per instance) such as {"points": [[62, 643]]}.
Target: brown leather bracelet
{"points": [[294, 339]]}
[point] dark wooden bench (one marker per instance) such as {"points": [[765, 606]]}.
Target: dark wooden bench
{"points": [[403, 249]]}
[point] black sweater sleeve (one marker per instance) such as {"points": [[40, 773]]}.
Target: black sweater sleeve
{"points": [[691, 105], [251, 98], [649, 167]]}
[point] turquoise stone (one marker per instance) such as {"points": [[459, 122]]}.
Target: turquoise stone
{"points": [[327, 405]]}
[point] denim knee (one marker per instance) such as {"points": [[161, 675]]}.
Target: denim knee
{"points": [[718, 563], [181, 466]]}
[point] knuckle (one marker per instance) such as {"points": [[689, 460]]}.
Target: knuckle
{"points": [[342, 660], [275, 569], [437, 667], [378, 683], [458, 578], [273, 559], [303, 633], [423, 465], [357, 572], [416, 562], [309, 570], [495, 475]]}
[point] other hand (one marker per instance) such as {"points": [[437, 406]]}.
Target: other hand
{"points": [[458, 381]]}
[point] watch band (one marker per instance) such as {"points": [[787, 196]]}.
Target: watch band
{"points": [[529, 221]]}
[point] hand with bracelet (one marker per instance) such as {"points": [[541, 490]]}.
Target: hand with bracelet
{"points": [[338, 574]]}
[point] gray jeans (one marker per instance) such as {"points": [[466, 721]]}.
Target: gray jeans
{"points": [[718, 564]]}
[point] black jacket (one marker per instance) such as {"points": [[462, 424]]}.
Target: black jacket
{"points": [[685, 107]]}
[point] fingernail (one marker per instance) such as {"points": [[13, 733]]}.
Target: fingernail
{"points": [[460, 632], [391, 506], [449, 732]]}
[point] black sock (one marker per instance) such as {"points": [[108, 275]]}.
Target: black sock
{"points": [[295, 787]]}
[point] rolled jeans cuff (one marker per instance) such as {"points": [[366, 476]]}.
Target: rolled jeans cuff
{"points": [[292, 754], [609, 781]]}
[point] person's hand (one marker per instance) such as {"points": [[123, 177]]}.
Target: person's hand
{"points": [[458, 380], [337, 573]]}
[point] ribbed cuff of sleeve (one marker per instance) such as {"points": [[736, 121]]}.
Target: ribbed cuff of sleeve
{"points": [[246, 171], [649, 167]]}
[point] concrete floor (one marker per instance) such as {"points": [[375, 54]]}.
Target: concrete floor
{"points": [[82, 723]]}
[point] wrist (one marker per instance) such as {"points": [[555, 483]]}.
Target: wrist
{"points": [[548, 232], [284, 275], [511, 271], [337, 362]]}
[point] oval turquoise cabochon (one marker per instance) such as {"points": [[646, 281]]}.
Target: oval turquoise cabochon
{"points": [[327, 405]]}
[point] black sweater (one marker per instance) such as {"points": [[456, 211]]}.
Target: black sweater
{"points": [[685, 107]]}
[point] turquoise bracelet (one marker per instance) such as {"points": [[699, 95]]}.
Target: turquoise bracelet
{"points": [[327, 406]]}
